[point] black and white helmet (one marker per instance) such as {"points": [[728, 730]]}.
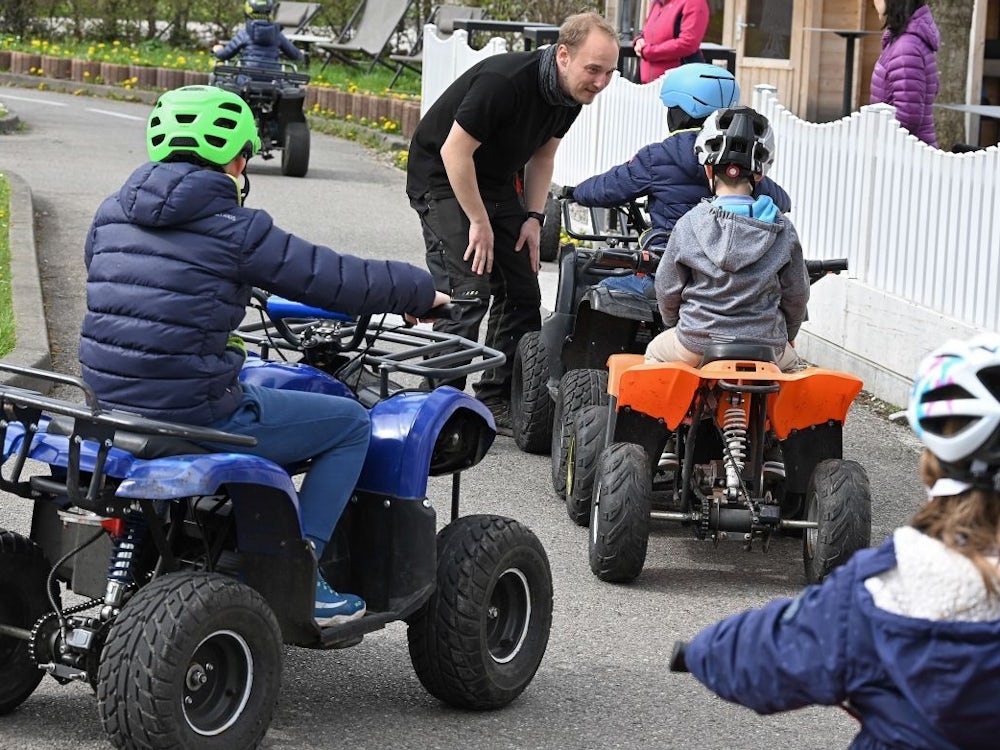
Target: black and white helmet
{"points": [[738, 136]]}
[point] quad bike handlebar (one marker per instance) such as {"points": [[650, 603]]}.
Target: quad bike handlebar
{"points": [[318, 334], [284, 74]]}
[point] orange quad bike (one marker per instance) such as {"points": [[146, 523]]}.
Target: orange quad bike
{"points": [[734, 447]]}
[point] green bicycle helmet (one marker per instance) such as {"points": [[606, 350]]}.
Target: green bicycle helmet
{"points": [[207, 122]]}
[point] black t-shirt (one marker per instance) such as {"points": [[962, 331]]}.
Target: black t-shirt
{"points": [[499, 103]]}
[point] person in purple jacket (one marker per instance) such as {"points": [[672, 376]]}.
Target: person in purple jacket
{"points": [[172, 259], [906, 74], [905, 637]]}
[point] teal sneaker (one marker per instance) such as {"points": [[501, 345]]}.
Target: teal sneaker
{"points": [[333, 608]]}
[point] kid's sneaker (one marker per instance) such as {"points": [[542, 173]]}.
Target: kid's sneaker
{"points": [[333, 608]]}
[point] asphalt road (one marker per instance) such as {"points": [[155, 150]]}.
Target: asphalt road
{"points": [[604, 680]]}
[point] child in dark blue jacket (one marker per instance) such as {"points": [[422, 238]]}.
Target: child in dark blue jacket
{"points": [[668, 171], [905, 637], [261, 43], [172, 259]]}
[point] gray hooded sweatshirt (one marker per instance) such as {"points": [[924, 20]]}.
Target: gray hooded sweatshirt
{"points": [[728, 277]]}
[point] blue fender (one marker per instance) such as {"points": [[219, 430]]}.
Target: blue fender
{"points": [[202, 474], [292, 376], [405, 429], [12, 439]]}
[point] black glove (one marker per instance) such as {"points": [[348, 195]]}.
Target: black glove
{"points": [[566, 192]]}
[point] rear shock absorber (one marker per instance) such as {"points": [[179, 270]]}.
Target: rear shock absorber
{"points": [[121, 567], [734, 431]]}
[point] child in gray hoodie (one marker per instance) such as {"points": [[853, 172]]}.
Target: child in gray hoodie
{"points": [[733, 268]]}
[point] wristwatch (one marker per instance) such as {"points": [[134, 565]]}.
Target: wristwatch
{"points": [[539, 216]]}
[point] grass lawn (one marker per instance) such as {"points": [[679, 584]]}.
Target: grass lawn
{"points": [[7, 329]]}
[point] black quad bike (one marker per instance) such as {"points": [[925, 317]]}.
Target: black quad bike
{"points": [[276, 98], [167, 574], [590, 322], [734, 448]]}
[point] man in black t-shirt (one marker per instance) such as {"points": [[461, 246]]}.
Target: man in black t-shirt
{"points": [[507, 113]]}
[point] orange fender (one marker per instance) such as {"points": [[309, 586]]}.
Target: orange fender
{"points": [[665, 390]]}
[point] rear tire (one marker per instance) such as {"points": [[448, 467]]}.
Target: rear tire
{"points": [[479, 639], [577, 388], [619, 514], [838, 498], [193, 660], [23, 601], [295, 154], [585, 445], [530, 402]]}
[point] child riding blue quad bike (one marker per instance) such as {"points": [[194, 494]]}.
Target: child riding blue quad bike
{"points": [[189, 566]]}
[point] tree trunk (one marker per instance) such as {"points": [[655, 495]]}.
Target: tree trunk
{"points": [[954, 21]]}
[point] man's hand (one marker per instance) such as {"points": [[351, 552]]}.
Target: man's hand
{"points": [[530, 233], [480, 248]]}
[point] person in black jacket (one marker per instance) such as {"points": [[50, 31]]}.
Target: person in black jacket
{"points": [[505, 114], [172, 259]]}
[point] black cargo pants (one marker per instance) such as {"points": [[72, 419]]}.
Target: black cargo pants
{"points": [[512, 285]]}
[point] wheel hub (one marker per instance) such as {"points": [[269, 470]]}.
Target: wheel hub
{"points": [[217, 683], [508, 616]]}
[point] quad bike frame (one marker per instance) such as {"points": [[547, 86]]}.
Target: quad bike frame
{"points": [[753, 452], [190, 559]]}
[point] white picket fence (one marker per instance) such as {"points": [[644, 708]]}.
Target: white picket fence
{"points": [[920, 227]]}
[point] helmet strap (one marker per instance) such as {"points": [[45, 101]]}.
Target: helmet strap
{"points": [[245, 188]]}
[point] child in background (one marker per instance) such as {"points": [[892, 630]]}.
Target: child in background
{"points": [[733, 268], [261, 44]]}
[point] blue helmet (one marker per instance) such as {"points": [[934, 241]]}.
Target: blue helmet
{"points": [[699, 89]]}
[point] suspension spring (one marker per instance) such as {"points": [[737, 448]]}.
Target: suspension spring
{"points": [[121, 568], [734, 430]]}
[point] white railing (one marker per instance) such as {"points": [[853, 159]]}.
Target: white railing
{"points": [[920, 227]]}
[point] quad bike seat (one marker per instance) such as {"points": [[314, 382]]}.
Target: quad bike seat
{"points": [[754, 352], [140, 446]]}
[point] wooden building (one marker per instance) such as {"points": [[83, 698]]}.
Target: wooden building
{"points": [[794, 45]]}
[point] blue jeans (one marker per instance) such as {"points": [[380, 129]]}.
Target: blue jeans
{"points": [[292, 426], [641, 286]]}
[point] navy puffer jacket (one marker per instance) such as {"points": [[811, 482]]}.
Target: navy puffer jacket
{"points": [[260, 44], [171, 262], [669, 173]]}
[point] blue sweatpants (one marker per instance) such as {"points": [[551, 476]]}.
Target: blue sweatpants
{"points": [[292, 426]]}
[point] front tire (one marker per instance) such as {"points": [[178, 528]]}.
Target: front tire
{"points": [[479, 639], [838, 499], [585, 445], [577, 388], [619, 513], [530, 402], [23, 601], [193, 660], [295, 153]]}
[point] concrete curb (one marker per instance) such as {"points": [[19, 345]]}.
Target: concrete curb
{"points": [[32, 346]]}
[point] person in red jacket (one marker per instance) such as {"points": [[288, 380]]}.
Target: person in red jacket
{"points": [[672, 36]]}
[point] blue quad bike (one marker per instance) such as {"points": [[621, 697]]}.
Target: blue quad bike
{"points": [[167, 575], [277, 98]]}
